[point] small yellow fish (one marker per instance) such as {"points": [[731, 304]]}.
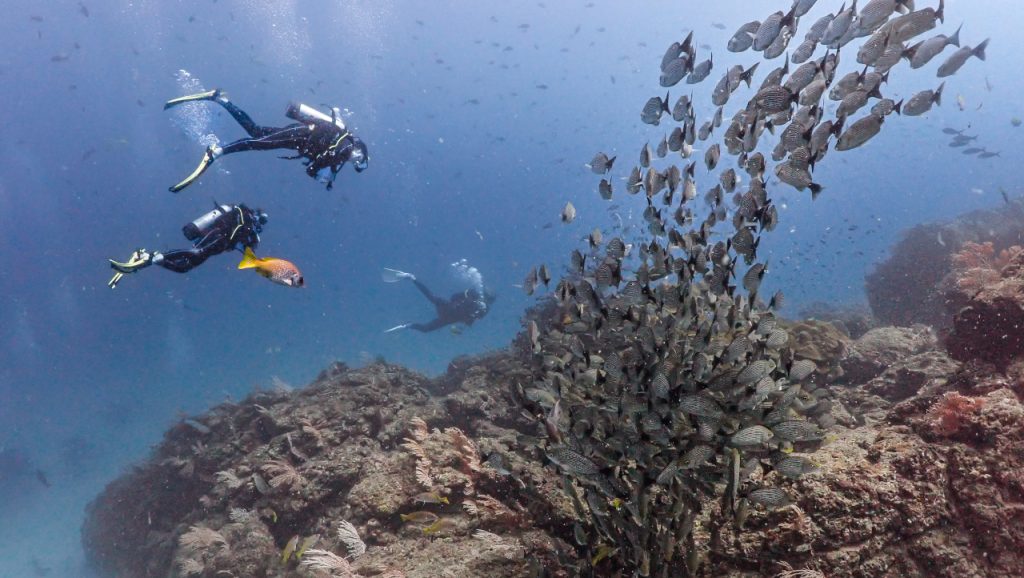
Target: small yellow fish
{"points": [[439, 526], [431, 498], [277, 270], [603, 551], [616, 503], [307, 543], [421, 517], [289, 548]]}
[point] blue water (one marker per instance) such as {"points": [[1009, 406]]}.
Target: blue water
{"points": [[478, 129]]}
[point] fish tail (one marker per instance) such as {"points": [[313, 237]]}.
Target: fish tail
{"points": [[979, 50], [815, 190], [955, 38], [249, 260], [937, 99], [941, 12]]}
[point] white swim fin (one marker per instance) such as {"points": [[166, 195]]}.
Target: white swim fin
{"points": [[397, 327], [394, 275]]}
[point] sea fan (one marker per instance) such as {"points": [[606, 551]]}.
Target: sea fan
{"points": [[350, 537], [326, 561], [284, 474], [465, 448], [418, 429], [200, 538], [191, 567], [423, 474], [229, 479], [414, 448]]}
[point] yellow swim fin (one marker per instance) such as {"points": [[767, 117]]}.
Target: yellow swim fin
{"points": [[208, 95], [249, 260], [203, 165]]}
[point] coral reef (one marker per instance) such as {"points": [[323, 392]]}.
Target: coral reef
{"points": [[853, 320], [819, 341], [911, 285], [873, 352], [990, 287], [291, 484]]}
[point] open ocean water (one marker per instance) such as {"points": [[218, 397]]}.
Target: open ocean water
{"points": [[479, 118]]}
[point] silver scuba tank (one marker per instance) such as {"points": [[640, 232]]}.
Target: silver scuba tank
{"points": [[305, 113], [204, 224]]}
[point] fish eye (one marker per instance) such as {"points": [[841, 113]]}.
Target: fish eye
{"points": [[300, 282]]}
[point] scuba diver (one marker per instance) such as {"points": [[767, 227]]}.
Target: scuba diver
{"points": [[225, 228], [464, 307], [322, 140]]}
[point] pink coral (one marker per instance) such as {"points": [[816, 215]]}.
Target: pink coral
{"points": [[949, 414], [977, 265]]}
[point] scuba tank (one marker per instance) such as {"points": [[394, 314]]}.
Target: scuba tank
{"points": [[305, 113], [203, 225]]}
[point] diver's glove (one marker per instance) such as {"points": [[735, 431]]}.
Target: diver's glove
{"points": [[140, 259]]}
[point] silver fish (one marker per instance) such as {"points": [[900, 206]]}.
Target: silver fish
{"points": [[918, 22], [923, 52], [797, 177], [801, 370], [601, 163], [801, 7], [796, 431], [817, 29], [775, 49], [773, 99], [752, 436], [711, 156], [568, 213], [959, 58], [769, 497], [744, 37], [922, 102], [674, 72], [886, 106], [804, 51], [875, 13], [701, 71], [860, 132], [794, 466], [813, 92], [651, 113], [572, 462], [770, 30], [838, 27]]}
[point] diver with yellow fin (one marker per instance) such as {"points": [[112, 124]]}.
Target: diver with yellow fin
{"points": [[320, 139], [225, 228]]}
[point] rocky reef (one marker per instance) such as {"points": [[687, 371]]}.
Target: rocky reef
{"points": [[379, 471]]}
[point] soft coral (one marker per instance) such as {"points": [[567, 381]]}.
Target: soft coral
{"points": [[949, 414]]}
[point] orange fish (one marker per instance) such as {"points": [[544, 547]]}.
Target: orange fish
{"points": [[277, 270]]}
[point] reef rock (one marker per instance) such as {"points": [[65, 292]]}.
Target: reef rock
{"points": [[937, 492], [880, 348]]}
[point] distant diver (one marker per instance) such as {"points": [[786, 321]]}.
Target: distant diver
{"points": [[225, 228], [322, 140], [464, 307]]}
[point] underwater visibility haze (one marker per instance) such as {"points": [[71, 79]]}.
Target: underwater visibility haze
{"points": [[553, 321]]}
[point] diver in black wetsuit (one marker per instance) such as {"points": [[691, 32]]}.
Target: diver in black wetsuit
{"points": [[225, 228], [465, 307], [322, 140]]}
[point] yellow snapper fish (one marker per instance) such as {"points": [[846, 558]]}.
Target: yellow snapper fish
{"points": [[277, 270]]}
